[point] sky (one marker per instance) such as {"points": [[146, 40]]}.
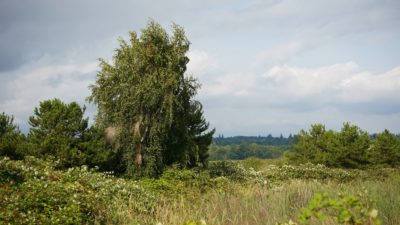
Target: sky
{"points": [[266, 67]]}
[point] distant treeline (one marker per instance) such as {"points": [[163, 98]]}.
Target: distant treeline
{"points": [[349, 147], [246, 150], [260, 140]]}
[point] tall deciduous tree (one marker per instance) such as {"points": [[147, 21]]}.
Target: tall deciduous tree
{"points": [[145, 102]]}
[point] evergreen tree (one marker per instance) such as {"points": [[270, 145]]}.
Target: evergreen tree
{"points": [[11, 139], [312, 145], [353, 146], [385, 149], [347, 148], [60, 131]]}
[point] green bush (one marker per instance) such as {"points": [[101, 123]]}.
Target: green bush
{"points": [[227, 169], [32, 192], [306, 171], [22, 170], [253, 162], [175, 181]]}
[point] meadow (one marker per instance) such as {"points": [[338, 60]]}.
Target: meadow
{"points": [[252, 191]]}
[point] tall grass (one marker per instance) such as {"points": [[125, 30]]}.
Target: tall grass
{"points": [[261, 205]]}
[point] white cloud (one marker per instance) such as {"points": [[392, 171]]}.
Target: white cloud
{"points": [[201, 63], [288, 98], [365, 86], [282, 53], [338, 83], [46, 79]]}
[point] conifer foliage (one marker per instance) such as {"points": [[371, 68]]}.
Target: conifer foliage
{"points": [[10, 138], [59, 130], [350, 147]]}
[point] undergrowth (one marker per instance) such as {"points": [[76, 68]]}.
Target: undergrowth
{"points": [[228, 192]]}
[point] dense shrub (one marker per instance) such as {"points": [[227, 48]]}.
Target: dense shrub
{"points": [[306, 171], [272, 173], [176, 181], [227, 169], [32, 192]]}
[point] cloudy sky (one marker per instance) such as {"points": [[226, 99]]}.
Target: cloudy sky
{"points": [[272, 66]]}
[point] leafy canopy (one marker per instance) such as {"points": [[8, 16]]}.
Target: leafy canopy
{"points": [[146, 102]]}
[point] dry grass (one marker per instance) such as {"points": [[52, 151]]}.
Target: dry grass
{"points": [[237, 204]]}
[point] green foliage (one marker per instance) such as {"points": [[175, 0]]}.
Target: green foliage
{"points": [[59, 131], [173, 182], [245, 150], [235, 172], [385, 149], [314, 146], [306, 172], [273, 174], [32, 192], [260, 140], [260, 204], [227, 169], [192, 222], [353, 147], [255, 163], [97, 152], [349, 148], [347, 209], [188, 139], [11, 139], [56, 130], [147, 101]]}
